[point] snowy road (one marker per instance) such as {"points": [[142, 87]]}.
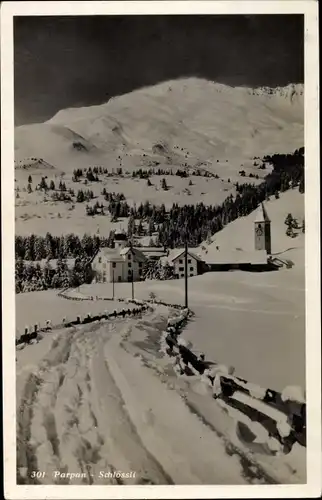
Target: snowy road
{"points": [[101, 398]]}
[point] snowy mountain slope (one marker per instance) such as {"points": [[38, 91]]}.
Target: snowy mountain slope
{"points": [[193, 119], [239, 234]]}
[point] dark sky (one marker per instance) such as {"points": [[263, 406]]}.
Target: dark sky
{"points": [[73, 61]]}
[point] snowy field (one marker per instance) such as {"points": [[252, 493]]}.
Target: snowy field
{"points": [[37, 213], [38, 307], [256, 322], [239, 234]]}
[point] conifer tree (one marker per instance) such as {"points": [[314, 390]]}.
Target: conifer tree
{"points": [[164, 184]]}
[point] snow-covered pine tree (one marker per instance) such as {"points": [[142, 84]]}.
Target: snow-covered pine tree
{"points": [[19, 275], [48, 274], [49, 246], [40, 251]]}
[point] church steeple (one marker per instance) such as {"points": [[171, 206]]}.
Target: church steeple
{"points": [[261, 214], [262, 228]]}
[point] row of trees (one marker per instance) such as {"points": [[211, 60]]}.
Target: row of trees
{"points": [[33, 247], [146, 173], [30, 277], [44, 186]]}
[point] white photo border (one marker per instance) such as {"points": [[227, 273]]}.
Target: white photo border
{"points": [[309, 9]]}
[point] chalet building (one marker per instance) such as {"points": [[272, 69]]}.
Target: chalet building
{"points": [[176, 258], [117, 264], [153, 253]]}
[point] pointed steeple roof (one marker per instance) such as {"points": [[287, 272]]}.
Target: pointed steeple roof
{"points": [[261, 214]]}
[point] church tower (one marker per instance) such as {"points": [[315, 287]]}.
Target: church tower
{"points": [[262, 229], [120, 240]]}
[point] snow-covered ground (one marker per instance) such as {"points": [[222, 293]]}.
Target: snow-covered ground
{"points": [[255, 322], [38, 307], [103, 398], [36, 212], [239, 234]]}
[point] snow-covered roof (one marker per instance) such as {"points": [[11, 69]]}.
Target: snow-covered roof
{"points": [[237, 257], [176, 253], [137, 254], [152, 251], [261, 214], [109, 254]]}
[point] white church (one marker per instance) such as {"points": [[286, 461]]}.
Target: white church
{"points": [[117, 264]]}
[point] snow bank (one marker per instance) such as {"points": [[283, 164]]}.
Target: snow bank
{"points": [[148, 401]]}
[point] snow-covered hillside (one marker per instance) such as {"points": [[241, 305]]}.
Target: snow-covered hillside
{"points": [[178, 121], [239, 234]]}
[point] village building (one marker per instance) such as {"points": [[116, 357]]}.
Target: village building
{"points": [[176, 259], [226, 260], [119, 264], [153, 253], [125, 262]]}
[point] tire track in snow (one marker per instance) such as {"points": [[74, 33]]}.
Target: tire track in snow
{"points": [[26, 446], [122, 436], [60, 420]]}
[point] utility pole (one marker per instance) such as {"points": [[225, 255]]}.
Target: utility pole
{"points": [[186, 272], [132, 279], [113, 282]]}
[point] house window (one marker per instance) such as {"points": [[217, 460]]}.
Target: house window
{"points": [[191, 274], [129, 256], [104, 277], [182, 275], [191, 268], [119, 278], [180, 261], [189, 261], [181, 269], [99, 260], [140, 265], [140, 272], [114, 264], [129, 264]]}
